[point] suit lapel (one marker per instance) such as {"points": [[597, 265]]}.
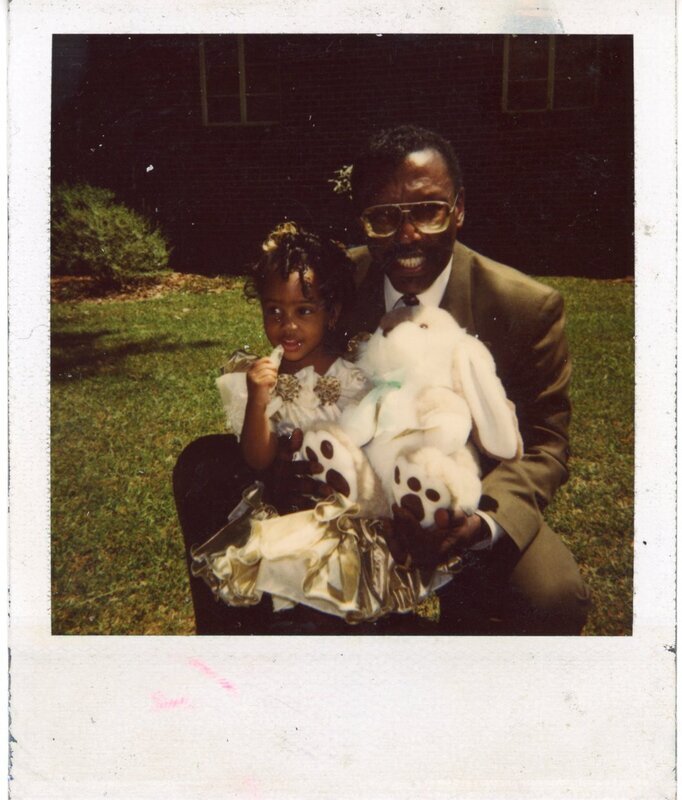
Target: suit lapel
{"points": [[457, 296], [372, 302], [369, 305]]}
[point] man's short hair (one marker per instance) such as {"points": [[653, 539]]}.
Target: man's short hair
{"points": [[388, 148]]}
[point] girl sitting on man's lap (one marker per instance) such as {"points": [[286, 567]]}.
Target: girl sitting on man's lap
{"points": [[326, 558]]}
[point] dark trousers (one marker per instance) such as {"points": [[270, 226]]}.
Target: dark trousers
{"points": [[502, 592]]}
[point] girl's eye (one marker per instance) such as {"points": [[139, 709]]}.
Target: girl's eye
{"points": [[305, 311], [273, 312], [423, 325]]}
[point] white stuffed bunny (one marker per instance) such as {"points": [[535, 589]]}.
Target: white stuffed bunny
{"points": [[435, 389]]}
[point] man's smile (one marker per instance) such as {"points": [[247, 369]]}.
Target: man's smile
{"points": [[404, 257], [411, 261]]}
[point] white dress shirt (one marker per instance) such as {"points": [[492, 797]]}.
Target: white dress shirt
{"points": [[432, 297]]}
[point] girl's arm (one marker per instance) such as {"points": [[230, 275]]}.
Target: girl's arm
{"points": [[258, 442]]}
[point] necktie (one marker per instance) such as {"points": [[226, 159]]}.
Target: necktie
{"points": [[410, 299]]}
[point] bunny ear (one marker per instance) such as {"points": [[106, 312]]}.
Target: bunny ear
{"points": [[496, 429]]}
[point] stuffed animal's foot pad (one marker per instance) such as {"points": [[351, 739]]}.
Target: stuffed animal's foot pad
{"points": [[339, 470], [419, 493]]}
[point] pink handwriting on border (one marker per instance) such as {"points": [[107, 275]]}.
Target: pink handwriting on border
{"points": [[160, 701], [211, 673], [251, 786]]}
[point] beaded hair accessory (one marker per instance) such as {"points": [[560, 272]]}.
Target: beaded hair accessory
{"points": [[354, 343]]}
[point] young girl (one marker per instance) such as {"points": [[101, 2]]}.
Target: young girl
{"points": [[302, 283], [326, 558]]}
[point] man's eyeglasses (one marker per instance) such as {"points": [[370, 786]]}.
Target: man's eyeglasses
{"points": [[430, 216]]}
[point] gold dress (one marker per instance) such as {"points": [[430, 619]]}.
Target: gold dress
{"points": [[328, 557]]}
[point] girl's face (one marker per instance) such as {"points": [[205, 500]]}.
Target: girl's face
{"points": [[297, 322]]}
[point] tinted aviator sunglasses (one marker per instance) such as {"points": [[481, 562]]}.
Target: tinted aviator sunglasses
{"points": [[429, 216]]}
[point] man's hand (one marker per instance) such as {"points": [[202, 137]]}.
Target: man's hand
{"points": [[290, 485], [427, 548]]}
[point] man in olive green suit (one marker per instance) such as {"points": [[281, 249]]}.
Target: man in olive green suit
{"points": [[518, 577], [408, 192]]}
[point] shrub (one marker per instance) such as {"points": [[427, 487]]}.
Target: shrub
{"points": [[94, 235]]}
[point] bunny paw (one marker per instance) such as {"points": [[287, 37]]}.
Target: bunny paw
{"points": [[339, 467], [418, 492]]}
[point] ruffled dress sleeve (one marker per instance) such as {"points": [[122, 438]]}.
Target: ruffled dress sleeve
{"points": [[354, 383], [232, 387]]}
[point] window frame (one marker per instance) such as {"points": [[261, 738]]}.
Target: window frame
{"points": [[242, 67], [549, 79]]}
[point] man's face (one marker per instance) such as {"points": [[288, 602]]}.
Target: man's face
{"points": [[413, 260]]}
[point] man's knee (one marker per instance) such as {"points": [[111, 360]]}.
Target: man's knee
{"points": [[559, 606], [548, 580]]}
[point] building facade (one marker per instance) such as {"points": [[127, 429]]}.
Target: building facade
{"points": [[219, 137]]}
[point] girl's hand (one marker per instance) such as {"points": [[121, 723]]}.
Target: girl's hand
{"points": [[261, 378]]}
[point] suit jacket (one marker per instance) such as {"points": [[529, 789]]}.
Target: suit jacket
{"points": [[522, 323]]}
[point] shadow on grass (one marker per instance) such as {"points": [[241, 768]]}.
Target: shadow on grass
{"points": [[81, 355]]}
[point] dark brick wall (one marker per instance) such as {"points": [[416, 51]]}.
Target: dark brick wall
{"points": [[551, 193]]}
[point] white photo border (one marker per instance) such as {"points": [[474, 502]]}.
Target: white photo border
{"points": [[370, 717]]}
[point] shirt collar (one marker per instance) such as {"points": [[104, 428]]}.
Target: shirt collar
{"points": [[429, 297]]}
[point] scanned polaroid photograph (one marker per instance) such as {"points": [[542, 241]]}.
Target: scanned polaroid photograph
{"points": [[332, 368], [214, 199]]}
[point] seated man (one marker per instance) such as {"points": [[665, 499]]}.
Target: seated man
{"points": [[407, 190]]}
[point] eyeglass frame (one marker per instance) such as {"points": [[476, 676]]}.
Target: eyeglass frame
{"points": [[405, 209]]}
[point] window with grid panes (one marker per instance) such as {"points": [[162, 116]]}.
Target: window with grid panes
{"points": [[547, 73], [240, 80]]}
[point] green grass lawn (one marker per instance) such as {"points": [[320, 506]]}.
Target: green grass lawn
{"points": [[133, 383]]}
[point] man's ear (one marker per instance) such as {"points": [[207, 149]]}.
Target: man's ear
{"points": [[459, 209]]}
